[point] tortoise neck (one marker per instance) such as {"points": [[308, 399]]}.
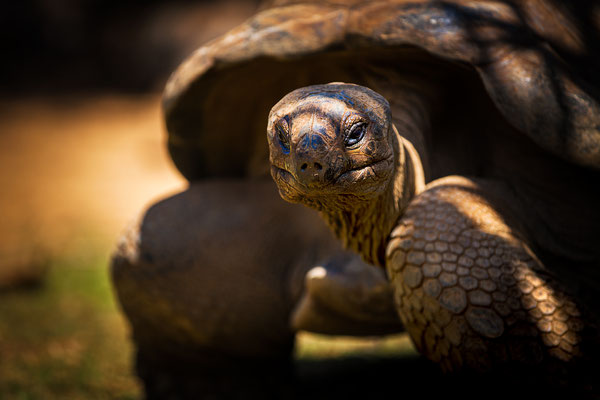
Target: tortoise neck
{"points": [[366, 227]]}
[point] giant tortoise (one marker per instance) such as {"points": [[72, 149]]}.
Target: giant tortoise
{"points": [[462, 156], [481, 92]]}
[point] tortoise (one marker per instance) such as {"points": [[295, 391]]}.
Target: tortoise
{"points": [[461, 156], [520, 73]]}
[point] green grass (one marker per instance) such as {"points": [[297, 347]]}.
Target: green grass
{"points": [[66, 339], [315, 347]]}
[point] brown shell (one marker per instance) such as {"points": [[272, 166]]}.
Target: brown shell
{"points": [[538, 61]]}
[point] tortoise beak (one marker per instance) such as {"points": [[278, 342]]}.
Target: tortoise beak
{"points": [[312, 164]]}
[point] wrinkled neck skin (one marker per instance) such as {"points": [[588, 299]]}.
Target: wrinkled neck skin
{"points": [[366, 224]]}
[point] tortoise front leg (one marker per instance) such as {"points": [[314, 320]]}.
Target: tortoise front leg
{"points": [[472, 294], [346, 296]]}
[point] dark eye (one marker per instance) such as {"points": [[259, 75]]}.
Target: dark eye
{"points": [[283, 139], [355, 134]]}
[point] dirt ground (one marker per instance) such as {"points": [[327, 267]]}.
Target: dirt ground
{"points": [[74, 171]]}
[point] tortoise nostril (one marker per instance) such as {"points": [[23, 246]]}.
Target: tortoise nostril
{"points": [[318, 166], [303, 167]]}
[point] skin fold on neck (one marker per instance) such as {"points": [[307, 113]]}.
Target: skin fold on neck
{"points": [[365, 228]]}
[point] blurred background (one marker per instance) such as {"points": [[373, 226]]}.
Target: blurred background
{"points": [[82, 153]]}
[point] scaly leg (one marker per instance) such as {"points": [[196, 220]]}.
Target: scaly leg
{"points": [[472, 294]]}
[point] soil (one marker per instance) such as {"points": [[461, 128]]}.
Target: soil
{"points": [[74, 171]]}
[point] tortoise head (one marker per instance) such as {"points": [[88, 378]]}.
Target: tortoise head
{"points": [[329, 141]]}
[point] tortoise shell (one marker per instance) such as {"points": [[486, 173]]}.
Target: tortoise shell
{"points": [[536, 60]]}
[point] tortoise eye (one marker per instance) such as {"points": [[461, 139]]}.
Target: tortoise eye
{"points": [[355, 134], [283, 139]]}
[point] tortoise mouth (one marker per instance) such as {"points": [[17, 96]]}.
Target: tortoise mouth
{"points": [[373, 171], [350, 181], [284, 176]]}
